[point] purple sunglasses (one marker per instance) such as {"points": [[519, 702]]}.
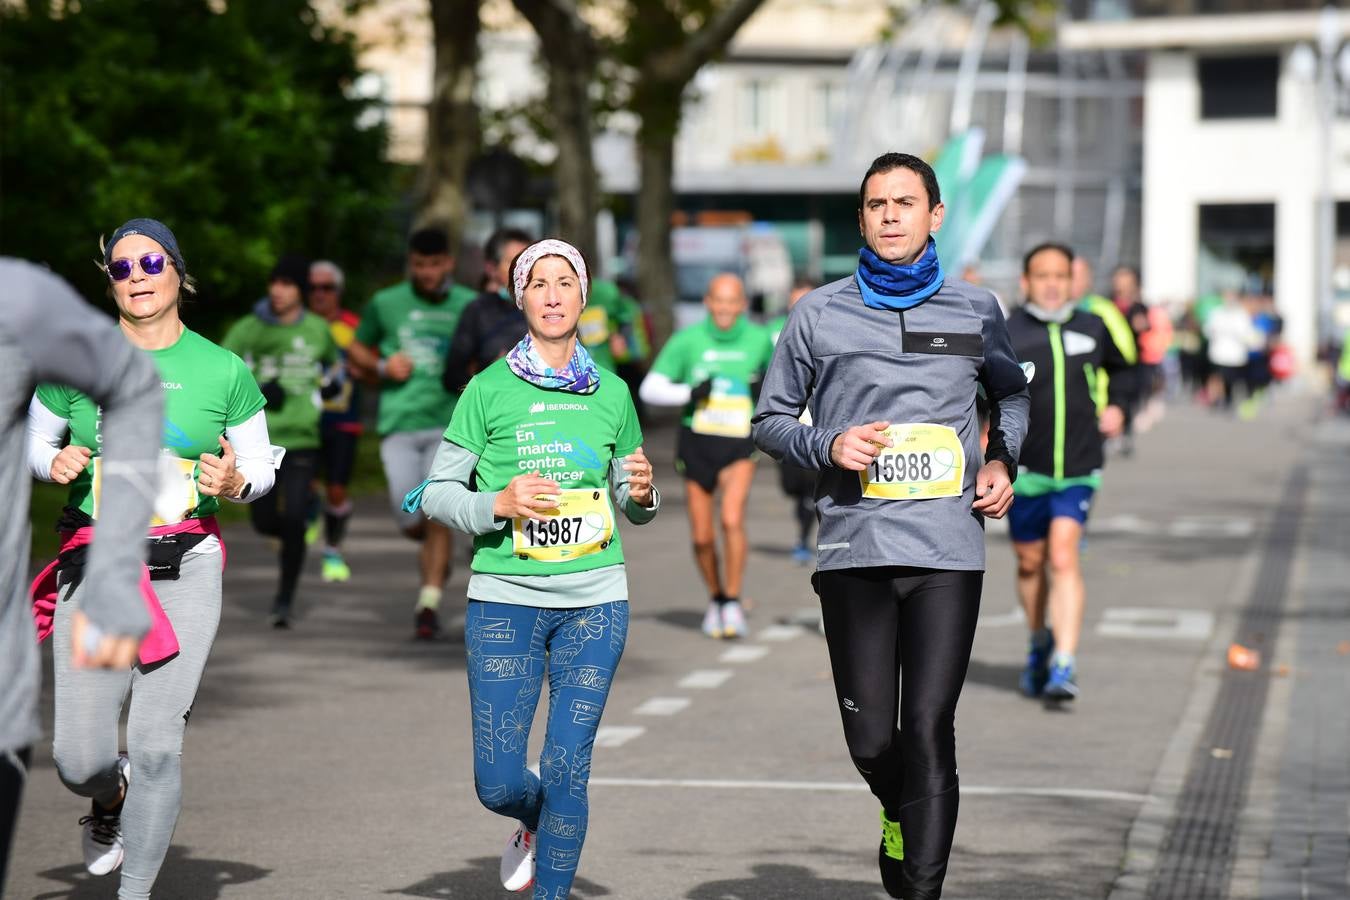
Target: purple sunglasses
{"points": [[151, 264]]}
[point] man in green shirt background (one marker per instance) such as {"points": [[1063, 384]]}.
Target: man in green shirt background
{"points": [[404, 335], [293, 358]]}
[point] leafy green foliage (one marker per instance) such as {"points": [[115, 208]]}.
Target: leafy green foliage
{"points": [[233, 122]]}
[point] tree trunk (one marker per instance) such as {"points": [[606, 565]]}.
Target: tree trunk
{"points": [[454, 131], [570, 57], [655, 206]]}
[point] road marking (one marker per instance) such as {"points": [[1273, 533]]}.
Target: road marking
{"points": [[745, 654], [616, 735], [779, 633], [861, 787], [706, 678], [1015, 617], [662, 706], [1185, 527], [1168, 624]]}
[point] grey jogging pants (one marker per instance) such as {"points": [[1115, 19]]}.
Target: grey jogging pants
{"points": [[89, 705]]}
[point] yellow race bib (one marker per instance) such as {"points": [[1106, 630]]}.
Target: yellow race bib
{"points": [[177, 495], [581, 524], [927, 461], [723, 415], [593, 326]]}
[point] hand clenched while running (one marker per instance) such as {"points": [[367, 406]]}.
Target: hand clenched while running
{"points": [[217, 475], [69, 463], [639, 470], [993, 490], [524, 496], [858, 446]]}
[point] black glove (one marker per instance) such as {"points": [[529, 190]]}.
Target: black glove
{"points": [[330, 388], [701, 391], [274, 394]]}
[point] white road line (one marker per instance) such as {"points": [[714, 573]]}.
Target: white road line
{"points": [[705, 679], [1014, 617], [859, 786], [779, 633], [662, 706], [744, 654], [616, 735]]}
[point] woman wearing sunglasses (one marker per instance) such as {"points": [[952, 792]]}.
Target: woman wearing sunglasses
{"points": [[215, 445], [543, 448]]}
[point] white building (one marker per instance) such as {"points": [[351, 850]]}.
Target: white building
{"points": [[1233, 162]]}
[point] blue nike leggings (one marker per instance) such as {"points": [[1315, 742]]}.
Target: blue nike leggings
{"points": [[509, 648]]}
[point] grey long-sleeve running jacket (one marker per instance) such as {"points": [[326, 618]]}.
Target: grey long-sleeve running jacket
{"points": [[47, 333], [849, 365]]}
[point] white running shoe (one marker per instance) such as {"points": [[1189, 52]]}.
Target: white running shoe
{"points": [[733, 620], [101, 839], [518, 861], [712, 620]]}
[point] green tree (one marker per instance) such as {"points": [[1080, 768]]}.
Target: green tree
{"points": [[237, 123]]}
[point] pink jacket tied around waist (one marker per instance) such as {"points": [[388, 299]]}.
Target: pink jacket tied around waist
{"points": [[160, 642]]}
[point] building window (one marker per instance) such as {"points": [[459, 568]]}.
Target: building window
{"points": [[1239, 87], [827, 101], [758, 95], [1237, 248]]}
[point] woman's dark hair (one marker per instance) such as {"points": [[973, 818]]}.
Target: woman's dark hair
{"points": [[890, 161]]}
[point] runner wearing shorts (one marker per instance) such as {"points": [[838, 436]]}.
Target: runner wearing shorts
{"points": [[403, 337], [713, 369], [1061, 460]]}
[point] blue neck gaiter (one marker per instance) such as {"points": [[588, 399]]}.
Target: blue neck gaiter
{"points": [[888, 286]]}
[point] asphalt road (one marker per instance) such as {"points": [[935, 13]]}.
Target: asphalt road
{"points": [[333, 760]]}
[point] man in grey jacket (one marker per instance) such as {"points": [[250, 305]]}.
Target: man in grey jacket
{"points": [[888, 362], [47, 333]]}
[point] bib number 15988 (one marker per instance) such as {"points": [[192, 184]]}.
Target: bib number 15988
{"points": [[926, 461]]}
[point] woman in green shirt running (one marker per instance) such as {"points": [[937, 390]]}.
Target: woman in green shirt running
{"points": [[215, 445], [543, 450]]}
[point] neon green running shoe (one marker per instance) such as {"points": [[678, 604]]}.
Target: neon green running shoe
{"points": [[890, 857], [312, 532], [335, 567]]}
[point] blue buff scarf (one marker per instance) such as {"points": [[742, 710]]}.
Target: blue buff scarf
{"points": [[888, 286], [579, 376]]}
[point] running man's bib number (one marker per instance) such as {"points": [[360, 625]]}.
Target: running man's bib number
{"points": [[723, 415], [927, 461], [177, 495], [580, 525], [593, 326]]}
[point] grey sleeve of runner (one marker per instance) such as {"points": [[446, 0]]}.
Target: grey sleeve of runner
{"points": [[782, 398], [1006, 386], [70, 343], [618, 492], [448, 499]]}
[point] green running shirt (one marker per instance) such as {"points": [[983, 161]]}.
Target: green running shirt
{"points": [[295, 356], [732, 358], [398, 320], [207, 389], [514, 427]]}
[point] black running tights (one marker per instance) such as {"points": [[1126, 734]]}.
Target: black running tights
{"points": [[878, 623], [283, 513]]}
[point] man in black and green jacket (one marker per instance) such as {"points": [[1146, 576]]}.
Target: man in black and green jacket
{"points": [[1061, 461]]}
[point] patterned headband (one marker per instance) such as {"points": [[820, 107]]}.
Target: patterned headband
{"points": [[537, 251]]}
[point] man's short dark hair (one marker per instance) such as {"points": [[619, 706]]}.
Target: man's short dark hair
{"points": [[492, 249], [890, 161], [1126, 267], [1041, 248], [429, 242]]}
